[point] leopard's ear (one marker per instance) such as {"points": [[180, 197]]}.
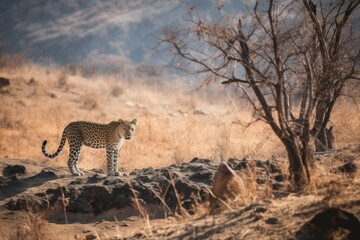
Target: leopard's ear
{"points": [[134, 121], [120, 121]]}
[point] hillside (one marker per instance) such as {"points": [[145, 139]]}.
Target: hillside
{"points": [[175, 125], [114, 31]]}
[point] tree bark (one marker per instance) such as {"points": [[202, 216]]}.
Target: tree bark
{"points": [[300, 157], [324, 138]]}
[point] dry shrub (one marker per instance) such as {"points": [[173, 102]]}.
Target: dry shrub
{"points": [[226, 185], [222, 150], [231, 189], [117, 91], [90, 103], [7, 120], [62, 79], [13, 61], [346, 122]]}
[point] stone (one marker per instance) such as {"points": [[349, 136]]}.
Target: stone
{"points": [[91, 237], [324, 224], [13, 170], [272, 220], [4, 82], [347, 168]]}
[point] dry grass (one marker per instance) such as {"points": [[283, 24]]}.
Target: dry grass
{"points": [[44, 99], [40, 104]]}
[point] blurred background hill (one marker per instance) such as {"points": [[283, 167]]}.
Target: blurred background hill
{"points": [[73, 31]]}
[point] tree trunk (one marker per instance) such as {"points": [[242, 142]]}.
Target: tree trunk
{"points": [[324, 138], [324, 141], [300, 157]]}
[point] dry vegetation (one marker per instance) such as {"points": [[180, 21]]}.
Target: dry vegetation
{"points": [[175, 125], [42, 100]]}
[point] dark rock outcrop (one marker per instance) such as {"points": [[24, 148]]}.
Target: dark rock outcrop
{"points": [[346, 168], [13, 170], [325, 224], [184, 184], [4, 82]]}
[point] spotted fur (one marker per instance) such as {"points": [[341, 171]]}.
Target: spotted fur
{"points": [[110, 136]]}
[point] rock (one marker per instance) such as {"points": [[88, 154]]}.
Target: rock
{"points": [[199, 160], [225, 186], [272, 220], [199, 112], [324, 224], [77, 181], [32, 204], [130, 103], [113, 181], [4, 82], [90, 237], [268, 166], [51, 95], [186, 191], [187, 183], [347, 168], [45, 173], [91, 199], [173, 114], [238, 164], [78, 237], [122, 195], [143, 178], [13, 170], [95, 178], [31, 81], [265, 171], [4, 181], [202, 176], [260, 209]]}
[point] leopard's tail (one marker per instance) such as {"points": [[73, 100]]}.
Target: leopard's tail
{"points": [[58, 151]]}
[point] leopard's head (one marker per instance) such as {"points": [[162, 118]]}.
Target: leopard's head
{"points": [[127, 129]]}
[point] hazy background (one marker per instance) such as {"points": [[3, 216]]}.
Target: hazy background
{"points": [[112, 31]]}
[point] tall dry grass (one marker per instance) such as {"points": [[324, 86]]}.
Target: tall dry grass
{"points": [[174, 124]]}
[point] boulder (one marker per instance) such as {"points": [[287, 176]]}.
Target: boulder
{"points": [[346, 168], [325, 224], [13, 170], [4, 82]]}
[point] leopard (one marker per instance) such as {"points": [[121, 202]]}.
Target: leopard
{"points": [[95, 135]]}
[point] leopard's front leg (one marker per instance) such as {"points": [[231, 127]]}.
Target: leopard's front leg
{"points": [[116, 164], [112, 156]]}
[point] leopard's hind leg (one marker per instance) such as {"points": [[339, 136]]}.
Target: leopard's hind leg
{"points": [[74, 155]]}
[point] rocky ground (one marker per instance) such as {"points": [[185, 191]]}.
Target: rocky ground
{"points": [[174, 202]]}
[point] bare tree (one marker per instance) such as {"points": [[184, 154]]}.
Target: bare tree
{"points": [[334, 58], [271, 54]]}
